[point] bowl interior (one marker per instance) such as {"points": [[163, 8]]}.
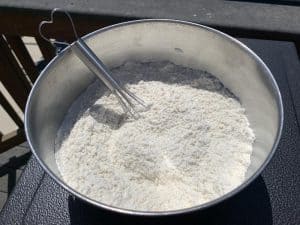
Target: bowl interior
{"points": [[184, 44]]}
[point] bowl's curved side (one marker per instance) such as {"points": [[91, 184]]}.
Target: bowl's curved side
{"points": [[65, 77]]}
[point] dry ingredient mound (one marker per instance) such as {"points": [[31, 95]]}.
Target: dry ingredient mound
{"points": [[192, 146]]}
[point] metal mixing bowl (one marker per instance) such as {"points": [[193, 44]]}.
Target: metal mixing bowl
{"points": [[187, 44]]}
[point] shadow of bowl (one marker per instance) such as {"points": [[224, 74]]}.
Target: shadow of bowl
{"points": [[251, 206]]}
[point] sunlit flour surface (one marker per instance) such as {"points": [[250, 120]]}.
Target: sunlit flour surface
{"points": [[193, 145]]}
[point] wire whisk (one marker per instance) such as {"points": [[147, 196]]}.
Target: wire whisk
{"points": [[128, 100]]}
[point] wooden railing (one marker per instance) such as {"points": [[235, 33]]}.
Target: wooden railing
{"points": [[18, 72]]}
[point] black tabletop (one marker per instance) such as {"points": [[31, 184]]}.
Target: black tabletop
{"points": [[273, 198]]}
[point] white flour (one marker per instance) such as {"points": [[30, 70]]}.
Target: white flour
{"points": [[192, 146]]}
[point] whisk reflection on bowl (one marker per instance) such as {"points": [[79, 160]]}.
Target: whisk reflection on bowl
{"points": [[128, 100]]}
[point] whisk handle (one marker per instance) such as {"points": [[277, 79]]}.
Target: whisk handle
{"points": [[88, 57]]}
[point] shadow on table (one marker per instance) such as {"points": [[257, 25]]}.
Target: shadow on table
{"points": [[251, 206], [10, 169]]}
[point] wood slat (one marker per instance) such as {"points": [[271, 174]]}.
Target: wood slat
{"points": [[10, 110], [12, 76], [27, 22], [48, 51], [23, 55], [13, 63], [16, 140]]}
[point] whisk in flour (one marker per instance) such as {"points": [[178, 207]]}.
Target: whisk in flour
{"points": [[192, 146]]}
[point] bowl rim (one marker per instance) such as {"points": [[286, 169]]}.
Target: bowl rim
{"points": [[228, 195]]}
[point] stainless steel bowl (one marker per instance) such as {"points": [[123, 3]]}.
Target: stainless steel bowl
{"points": [[183, 43]]}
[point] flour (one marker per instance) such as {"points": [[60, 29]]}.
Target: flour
{"points": [[192, 146]]}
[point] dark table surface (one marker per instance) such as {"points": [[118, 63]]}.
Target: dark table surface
{"points": [[273, 198], [280, 16]]}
